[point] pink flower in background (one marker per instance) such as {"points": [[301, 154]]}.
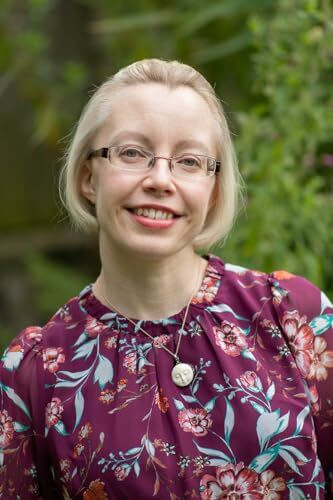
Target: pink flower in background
{"points": [[234, 482], [52, 357], [120, 473], [301, 337], [195, 420], [53, 412], [230, 338]]}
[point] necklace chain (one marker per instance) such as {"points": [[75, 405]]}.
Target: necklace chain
{"points": [[181, 331]]}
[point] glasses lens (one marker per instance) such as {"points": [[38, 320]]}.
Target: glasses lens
{"points": [[129, 157], [191, 165]]}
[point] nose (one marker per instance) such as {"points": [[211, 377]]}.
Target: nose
{"points": [[159, 178]]}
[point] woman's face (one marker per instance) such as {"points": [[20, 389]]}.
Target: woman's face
{"points": [[168, 123]]}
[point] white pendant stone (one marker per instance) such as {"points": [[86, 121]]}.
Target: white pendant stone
{"points": [[182, 374]]}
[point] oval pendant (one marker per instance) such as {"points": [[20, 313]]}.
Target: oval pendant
{"points": [[182, 374]]}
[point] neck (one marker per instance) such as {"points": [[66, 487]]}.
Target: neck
{"points": [[146, 288]]}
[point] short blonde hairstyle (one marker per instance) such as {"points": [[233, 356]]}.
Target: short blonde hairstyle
{"points": [[172, 74]]}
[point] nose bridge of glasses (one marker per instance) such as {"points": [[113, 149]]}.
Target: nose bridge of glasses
{"points": [[153, 159]]}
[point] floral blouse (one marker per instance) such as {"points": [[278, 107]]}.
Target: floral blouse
{"points": [[88, 409]]}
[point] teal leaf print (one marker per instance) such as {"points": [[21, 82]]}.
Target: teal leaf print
{"points": [[248, 355], [2, 457], [321, 324], [149, 447], [290, 460], [270, 392], [299, 455], [300, 419], [20, 427], [60, 428], [108, 316], [225, 308], [296, 493], [229, 421], [179, 404], [211, 404], [65, 383], [325, 302], [79, 407], [214, 453], [74, 375], [269, 425], [85, 350], [82, 338], [316, 469], [189, 399], [16, 399], [262, 461], [137, 469], [133, 451], [104, 371], [260, 409]]}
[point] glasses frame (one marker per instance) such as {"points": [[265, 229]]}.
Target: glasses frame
{"points": [[104, 153]]}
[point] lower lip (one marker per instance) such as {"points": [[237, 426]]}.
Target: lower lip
{"points": [[153, 223]]}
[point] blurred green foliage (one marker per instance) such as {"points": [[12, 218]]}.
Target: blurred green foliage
{"points": [[271, 62]]}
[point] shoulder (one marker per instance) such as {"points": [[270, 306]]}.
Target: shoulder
{"points": [[34, 342]]}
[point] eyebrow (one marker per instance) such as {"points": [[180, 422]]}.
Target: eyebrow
{"points": [[186, 143]]}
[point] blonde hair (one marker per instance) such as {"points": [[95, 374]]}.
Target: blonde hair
{"points": [[173, 74]]}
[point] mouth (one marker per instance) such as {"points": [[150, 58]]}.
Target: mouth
{"points": [[153, 213]]}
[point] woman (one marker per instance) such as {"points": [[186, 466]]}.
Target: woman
{"points": [[229, 395]]}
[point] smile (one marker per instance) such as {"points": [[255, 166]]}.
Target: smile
{"points": [[151, 213]]}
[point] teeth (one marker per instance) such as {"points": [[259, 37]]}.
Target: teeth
{"points": [[151, 213]]}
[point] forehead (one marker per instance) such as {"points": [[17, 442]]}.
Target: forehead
{"points": [[159, 113]]}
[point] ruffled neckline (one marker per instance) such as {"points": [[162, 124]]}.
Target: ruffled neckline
{"points": [[206, 295]]}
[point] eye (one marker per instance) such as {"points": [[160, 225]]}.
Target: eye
{"points": [[191, 162], [131, 153]]}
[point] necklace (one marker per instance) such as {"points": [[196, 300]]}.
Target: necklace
{"points": [[182, 374]]}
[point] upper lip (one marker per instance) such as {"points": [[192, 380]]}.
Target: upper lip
{"points": [[155, 207]]}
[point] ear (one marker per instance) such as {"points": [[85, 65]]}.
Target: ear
{"points": [[87, 182]]}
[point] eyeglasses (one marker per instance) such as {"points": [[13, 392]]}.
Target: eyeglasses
{"points": [[136, 159]]}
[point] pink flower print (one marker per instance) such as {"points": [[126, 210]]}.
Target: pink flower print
{"points": [[321, 360], [250, 380], [94, 327], [53, 412], [161, 340], [130, 362], [12, 357], [314, 399], [282, 275], [300, 337], [111, 341], [234, 482], [107, 396], [33, 333], [208, 290], [85, 431], [6, 429], [121, 384], [52, 357], [270, 485], [120, 473], [230, 338], [162, 401], [195, 420], [78, 449]]}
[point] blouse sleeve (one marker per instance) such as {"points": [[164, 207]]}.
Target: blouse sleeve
{"points": [[306, 318], [25, 472]]}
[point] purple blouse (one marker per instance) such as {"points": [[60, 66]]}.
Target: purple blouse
{"points": [[88, 409]]}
